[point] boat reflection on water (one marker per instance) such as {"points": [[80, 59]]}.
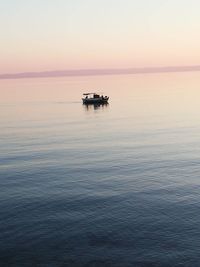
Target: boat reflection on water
{"points": [[96, 106]]}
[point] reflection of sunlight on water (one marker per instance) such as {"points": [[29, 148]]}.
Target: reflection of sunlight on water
{"points": [[95, 107]]}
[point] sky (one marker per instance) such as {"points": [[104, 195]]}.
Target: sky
{"points": [[43, 35]]}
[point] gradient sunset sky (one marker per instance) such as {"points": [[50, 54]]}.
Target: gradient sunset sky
{"points": [[44, 35]]}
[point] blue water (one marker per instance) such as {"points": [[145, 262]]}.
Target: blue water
{"points": [[114, 185]]}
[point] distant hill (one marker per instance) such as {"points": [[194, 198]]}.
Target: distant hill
{"points": [[89, 72]]}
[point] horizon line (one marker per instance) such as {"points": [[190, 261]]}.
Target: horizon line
{"points": [[99, 71]]}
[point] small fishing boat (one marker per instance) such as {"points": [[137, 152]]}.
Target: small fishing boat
{"points": [[94, 98]]}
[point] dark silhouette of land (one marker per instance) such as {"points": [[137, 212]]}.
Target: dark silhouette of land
{"points": [[93, 72]]}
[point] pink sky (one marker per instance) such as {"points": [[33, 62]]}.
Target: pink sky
{"points": [[48, 35]]}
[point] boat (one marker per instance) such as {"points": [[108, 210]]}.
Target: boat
{"points": [[94, 98]]}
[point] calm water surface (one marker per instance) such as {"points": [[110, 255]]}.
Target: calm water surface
{"points": [[113, 185]]}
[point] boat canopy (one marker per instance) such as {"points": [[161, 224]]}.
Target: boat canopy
{"points": [[88, 93], [92, 93]]}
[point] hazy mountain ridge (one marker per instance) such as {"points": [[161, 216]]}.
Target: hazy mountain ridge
{"points": [[89, 72]]}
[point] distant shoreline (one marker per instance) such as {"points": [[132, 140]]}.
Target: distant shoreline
{"points": [[96, 72]]}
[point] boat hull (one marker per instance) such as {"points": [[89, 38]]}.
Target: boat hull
{"points": [[95, 100]]}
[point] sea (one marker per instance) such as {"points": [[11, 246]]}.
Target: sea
{"points": [[114, 185]]}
